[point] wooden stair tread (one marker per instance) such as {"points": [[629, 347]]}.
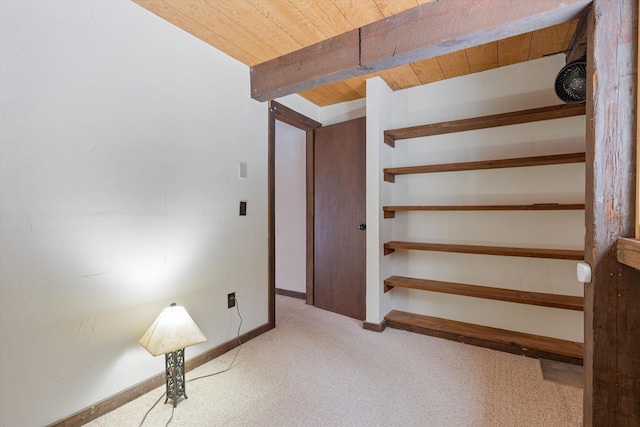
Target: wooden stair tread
{"points": [[483, 122], [500, 294], [389, 211], [578, 255], [555, 159], [528, 344]]}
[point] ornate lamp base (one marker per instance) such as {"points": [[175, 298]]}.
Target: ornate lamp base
{"points": [[175, 376]]}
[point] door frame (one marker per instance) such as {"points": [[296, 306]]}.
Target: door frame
{"points": [[286, 115]]}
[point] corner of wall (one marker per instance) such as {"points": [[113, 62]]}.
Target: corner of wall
{"points": [[344, 111], [379, 114], [302, 106]]}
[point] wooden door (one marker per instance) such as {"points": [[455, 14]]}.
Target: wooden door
{"points": [[340, 213]]}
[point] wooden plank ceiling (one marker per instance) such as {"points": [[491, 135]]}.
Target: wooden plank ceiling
{"points": [[255, 31]]}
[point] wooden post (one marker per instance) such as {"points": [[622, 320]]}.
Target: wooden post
{"points": [[612, 299]]}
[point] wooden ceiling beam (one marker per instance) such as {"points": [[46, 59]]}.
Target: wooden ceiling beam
{"points": [[424, 32], [328, 61]]}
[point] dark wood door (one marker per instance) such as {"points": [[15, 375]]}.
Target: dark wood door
{"points": [[339, 198]]}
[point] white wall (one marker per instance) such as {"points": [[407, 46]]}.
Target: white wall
{"points": [[291, 209], [120, 144], [328, 115], [302, 105], [521, 86], [345, 111], [379, 267]]}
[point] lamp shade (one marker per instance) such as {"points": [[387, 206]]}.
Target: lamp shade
{"points": [[172, 330]]}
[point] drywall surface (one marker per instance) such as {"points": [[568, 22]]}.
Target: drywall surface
{"points": [[301, 105], [327, 115], [380, 112], [291, 209], [517, 87], [121, 141], [343, 112]]}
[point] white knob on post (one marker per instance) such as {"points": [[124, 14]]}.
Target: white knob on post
{"points": [[584, 272]]}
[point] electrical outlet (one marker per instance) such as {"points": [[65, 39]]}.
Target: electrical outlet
{"points": [[231, 300]]}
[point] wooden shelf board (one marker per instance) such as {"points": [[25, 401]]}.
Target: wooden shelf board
{"points": [[556, 159], [500, 294], [629, 252], [484, 336], [389, 211], [495, 120], [569, 254]]}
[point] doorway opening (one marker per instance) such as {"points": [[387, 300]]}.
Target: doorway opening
{"points": [[291, 192], [279, 112]]}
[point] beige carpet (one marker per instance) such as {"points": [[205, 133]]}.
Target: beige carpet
{"points": [[321, 369]]}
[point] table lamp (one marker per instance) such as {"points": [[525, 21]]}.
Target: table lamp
{"points": [[171, 332]]}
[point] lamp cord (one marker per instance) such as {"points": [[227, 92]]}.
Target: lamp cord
{"points": [[237, 352], [154, 405], [202, 376]]}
